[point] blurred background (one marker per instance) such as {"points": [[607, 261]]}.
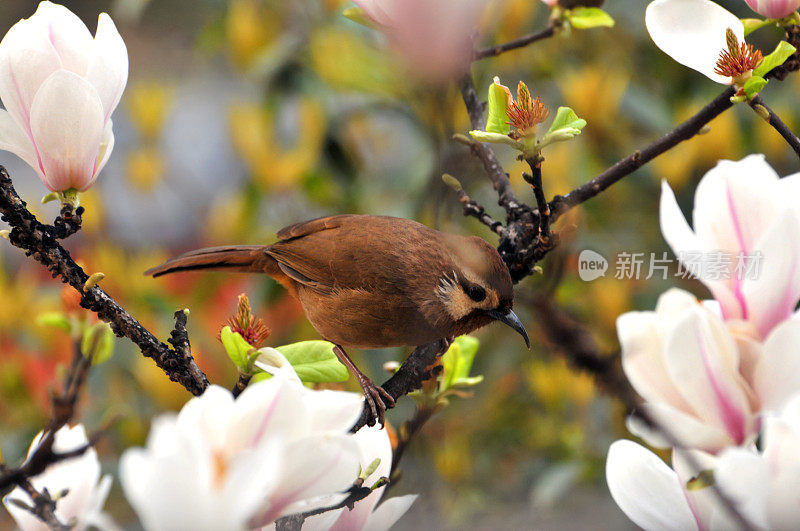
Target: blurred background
{"points": [[243, 116]]}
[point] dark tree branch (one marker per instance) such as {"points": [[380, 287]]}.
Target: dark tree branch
{"points": [[64, 406], [474, 209], [410, 376], [492, 51], [535, 180], [43, 508], [40, 242], [241, 384], [356, 493], [581, 350], [772, 119], [560, 204]]}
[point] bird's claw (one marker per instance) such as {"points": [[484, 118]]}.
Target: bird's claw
{"points": [[378, 401]]}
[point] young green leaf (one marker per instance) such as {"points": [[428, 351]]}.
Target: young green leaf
{"points": [[589, 17], [495, 138], [566, 119], [237, 348], [469, 347], [753, 86], [778, 56], [55, 320], [314, 361], [356, 14], [98, 342], [497, 120], [752, 24]]}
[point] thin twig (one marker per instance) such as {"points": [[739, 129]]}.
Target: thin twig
{"points": [[40, 242], [241, 384], [688, 129], [356, 493], [410, 376], [535, 180], [44, 506], [772, 119], [492, 51]]}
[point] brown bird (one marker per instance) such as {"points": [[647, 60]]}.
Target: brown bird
{"points": [[374, 282]]}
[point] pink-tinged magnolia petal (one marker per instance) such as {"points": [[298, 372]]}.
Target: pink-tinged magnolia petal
{"points": [[106, 148], [389, 512], [674, 227], [373, 443], [735, 204], [67, 33], [336, 411], [774, 8], [27, 58], [774, 291], [781, 451], [687, 465], [377, 10], [15, 140], [646, 489], [108, 68], [672, 425], [642, 359], [692, 32], [67, 125], [777, 376], [743, 476], [701, 354]]}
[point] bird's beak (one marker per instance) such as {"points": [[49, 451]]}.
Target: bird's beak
{"points": [[513, 321]]}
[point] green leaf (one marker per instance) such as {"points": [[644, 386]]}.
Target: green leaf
{"points": [[98, 342], [469, 347], [589, 17], [55, 320], [495, 138], [753, 86], [566, 119], [752, 24], [449, 363], [314, 361], [778, 56], [497, 120], [237, 348]]}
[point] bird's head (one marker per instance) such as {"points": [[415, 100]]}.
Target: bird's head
{"points": [[477, 289]]}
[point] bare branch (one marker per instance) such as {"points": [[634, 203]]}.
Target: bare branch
{"points": [[492, 51], [772, 119], [40, 242]]}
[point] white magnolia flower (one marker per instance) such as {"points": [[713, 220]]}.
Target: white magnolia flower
{"points": [[747, 216], [774, 8], [86, 492], [695, 33], [373, 444], [656, 497], [702, 386], [231, 464], [59, 87], [766, 485]]}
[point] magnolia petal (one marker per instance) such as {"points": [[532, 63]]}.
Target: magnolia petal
{"points": [[389, 512], [673, 426], [27, 58], [642, 359], [773, 292], [67, 126], [692, 32], [774, 8], [108, 68], [336, 411], [106, 147], [743, 475], [15, 140], [646, 489], [676, 230], [688, 464], [67, 33], [701, 354], [734, 204], [777, 375]]}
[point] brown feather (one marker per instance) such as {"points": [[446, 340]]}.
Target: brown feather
{"points": [[370, 281]]}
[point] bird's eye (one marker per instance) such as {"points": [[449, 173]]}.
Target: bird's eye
{"points": [[476, 293]]}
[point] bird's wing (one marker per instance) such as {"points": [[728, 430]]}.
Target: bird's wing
{"points": [[338, 253]]}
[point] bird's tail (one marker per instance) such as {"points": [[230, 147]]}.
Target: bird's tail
{"points": [[243, 258]]}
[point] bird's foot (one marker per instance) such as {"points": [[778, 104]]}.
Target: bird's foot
{"points": [[377, 399]]}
